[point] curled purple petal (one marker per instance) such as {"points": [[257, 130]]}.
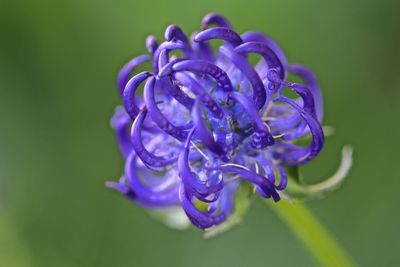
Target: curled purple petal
{"points": [[148, 158], [262, 38], [214, 18], [200, 92], [311, 82], [205, 67], [262, 136], [163, 194], [157, 116], [202, 50], [283, 178], [221, 33], [266, 188], [167, 85], [269, 172], [167, 47], [267, 53], [216, 214], [151, 44], [204, 134], [125, 72], [129, 93], [121, 122], [297, 132], [305, 94], [295, 155], [207, 191], [174, 32], [259, 93]]}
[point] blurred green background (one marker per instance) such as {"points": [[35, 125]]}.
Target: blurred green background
{"points": [[58, 63]]}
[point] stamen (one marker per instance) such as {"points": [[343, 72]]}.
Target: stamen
{"points": [[200, 151], [235, 165], [257, 168]]}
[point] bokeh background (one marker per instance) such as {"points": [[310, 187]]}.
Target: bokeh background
{"points": [[58, 63]]}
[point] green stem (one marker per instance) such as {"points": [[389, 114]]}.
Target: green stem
{"points": [[313, 235]]}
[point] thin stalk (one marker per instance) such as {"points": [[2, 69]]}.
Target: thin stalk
{"points": [[312, 234]]}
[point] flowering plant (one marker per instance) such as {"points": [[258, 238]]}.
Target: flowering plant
{"points": [[212, 128]]}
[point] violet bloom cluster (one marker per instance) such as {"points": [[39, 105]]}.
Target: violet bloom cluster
{"points": [[209, 120]]}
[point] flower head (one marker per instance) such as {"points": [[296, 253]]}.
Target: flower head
{"points": [[210, 121]]}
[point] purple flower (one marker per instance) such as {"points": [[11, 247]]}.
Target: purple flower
{"points": [[210, 121]]}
